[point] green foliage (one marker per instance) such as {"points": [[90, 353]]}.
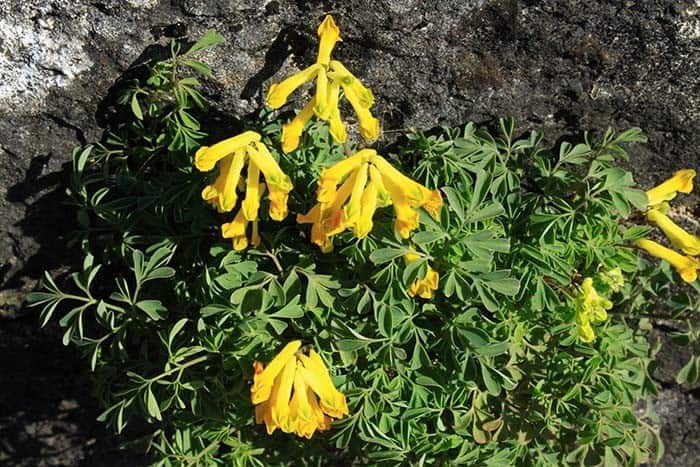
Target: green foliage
{"points": [[489, 372]]}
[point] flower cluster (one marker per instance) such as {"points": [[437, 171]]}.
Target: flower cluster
{"points": [[295, 393], [367, 182], [658, 197], [331, 76], [591, 308], [425, 287], [232, 155]]}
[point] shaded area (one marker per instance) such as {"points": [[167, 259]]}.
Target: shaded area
{"points": [[47, 410]]}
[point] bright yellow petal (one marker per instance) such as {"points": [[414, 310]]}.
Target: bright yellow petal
{"points": [[291, 132], [399, 185], [314, 215], [278, 204], [278, 93], [331, 176], [251, 203], [342, 75], [336, 127], [332, 216], [235, 228], [682, 181], [262, 384], [329, 34], [207, 156], [383, 198], [323, 421], [351, 211], [369, 125], [222, 193], [275, 178], [368, 207], [686, 266], [321, 107], [279, 400], [317, 377], [690, 244], [406, 219]]}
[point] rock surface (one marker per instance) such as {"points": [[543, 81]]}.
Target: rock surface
{"points": [[559, 66]]}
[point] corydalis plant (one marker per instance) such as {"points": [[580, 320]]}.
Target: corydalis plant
{"points": [[331, 76]]}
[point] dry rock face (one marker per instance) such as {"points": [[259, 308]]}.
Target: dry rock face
{"points": [[559, 66]]}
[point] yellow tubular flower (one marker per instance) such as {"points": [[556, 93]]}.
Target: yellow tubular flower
{"points": [[279, 92], [291, 132], [341, 74], [351, 211], [222, 193], [207, 156], [236, 231], [400, 185], [282, 393], [331, 176], [336, 127], [369, 203], [426, 287], [278, 183], [316, 375], [262, 382], [682, 181], [329, 34], [251, 203], [286, 393], [321, 107], [686, 266], [332, 213], [688, 243], [369, 125]]}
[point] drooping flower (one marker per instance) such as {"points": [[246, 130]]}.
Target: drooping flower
{"points": [[330, 76], [425, 287], [350, 192], [232, 155], [682, 181], [590, 308], [295, 393], [686, 266], [688, 243]]}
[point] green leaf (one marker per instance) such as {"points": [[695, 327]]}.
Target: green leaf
{"points": [[348, 345], [177, 327], [152, 405], [291, 310], [384, 255], [135, 107], [209, 39], [153, 308]]}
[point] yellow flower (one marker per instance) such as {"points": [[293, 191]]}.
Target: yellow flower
{"points": [[291, 132], [426, 287], [278, 93], [360, 98], [682, 181], [591, 303], [330, 76], [295, 393], [590, 308], [688, 243], [585, 330], [367, 182], [233, 154], [686, 266], [329, 34]]}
